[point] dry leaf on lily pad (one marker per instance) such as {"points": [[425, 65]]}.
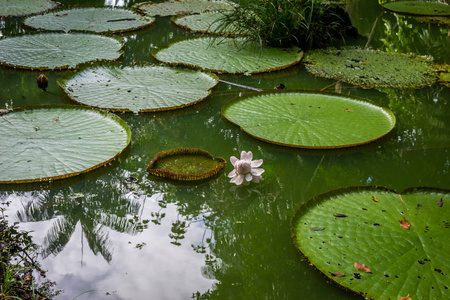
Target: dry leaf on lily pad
{"points": [[405, 223], [362, 267], [440, 203], [403, 261], [405, 298]]}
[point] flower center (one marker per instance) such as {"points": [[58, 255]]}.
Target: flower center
{"points": [[243, 167]]}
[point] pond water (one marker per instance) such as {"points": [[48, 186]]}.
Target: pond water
{"points": [[119, 234]]}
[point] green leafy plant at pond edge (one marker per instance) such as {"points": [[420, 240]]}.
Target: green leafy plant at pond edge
{"points": [[18, 261], [281, 23]]}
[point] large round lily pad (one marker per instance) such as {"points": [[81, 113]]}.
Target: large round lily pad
{"points": [[175, 7], [48, 51], [184, 164], [309, 120], [371, 68], [16, 8], [208, 22], [401, 239], [422, 8], [227, 55], [47, 143], [143, 88], [95, 19]]}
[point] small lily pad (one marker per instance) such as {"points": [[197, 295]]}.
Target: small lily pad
{"points": [[208, 22], [49, 51], [309, 120], [95, 19], [385, 249], [227, 55], [56, 142], [444, 75], [171, 8], [138, 88], [422, 8], [371, 68], [183, 164], [19, 8]]}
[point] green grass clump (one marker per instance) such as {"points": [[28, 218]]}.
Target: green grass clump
{"points": [[281, 23]]}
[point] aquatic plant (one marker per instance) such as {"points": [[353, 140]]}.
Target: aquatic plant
{"points": [[304, 23], [245, 169]]}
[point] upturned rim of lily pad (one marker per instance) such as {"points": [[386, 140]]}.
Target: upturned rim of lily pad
{"points": [[314, 201], [181, 176], [108, 33]]}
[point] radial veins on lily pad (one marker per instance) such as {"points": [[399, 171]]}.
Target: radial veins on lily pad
{"points": [[48, 51], [401, 239], [184, 164], [9, 8], [139, 88], [92, 19], [309, 120], [228, 55], [180, 7], [55, 142], [371, 68]]}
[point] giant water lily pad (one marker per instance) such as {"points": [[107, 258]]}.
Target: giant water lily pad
{"points": [[208, 22], [444, 74], [100, 20], [402, 239], [48, 51], [170, 8], [227, 55], [371, 68], [9, 8], [55, 142], [309, 120], [423, 8], [144, 88], [183, 164]]}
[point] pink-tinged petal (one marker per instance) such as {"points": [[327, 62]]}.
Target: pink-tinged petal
{"points": [[233, 160], [248, 177], [232, 174], [257, 171], [246, 155], [238, 179], [256, 163], [256, 179]]}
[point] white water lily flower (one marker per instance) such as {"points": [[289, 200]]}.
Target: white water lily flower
{"points": [[245, 169]]}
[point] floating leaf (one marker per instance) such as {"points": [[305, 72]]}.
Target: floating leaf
{"points": [[48, 51], [20, 8], [422, 8], [362, 267], [55, 142], [404, 223], [309, 120], [185, 165], [95, 19], [138, 88], [388, 247], [227, 55], [170, 8], [371, 68], [209, 22]]}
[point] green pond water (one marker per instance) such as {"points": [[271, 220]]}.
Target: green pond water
{"points": [[122, 235]]}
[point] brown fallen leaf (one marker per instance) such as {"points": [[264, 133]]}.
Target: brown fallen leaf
{"points": [[348, 110], [374, 198], [405, 298], [440, 202], [56, 119], [338, 274], [317, 228], [362, 267], [340, 215], [404, 223]]}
